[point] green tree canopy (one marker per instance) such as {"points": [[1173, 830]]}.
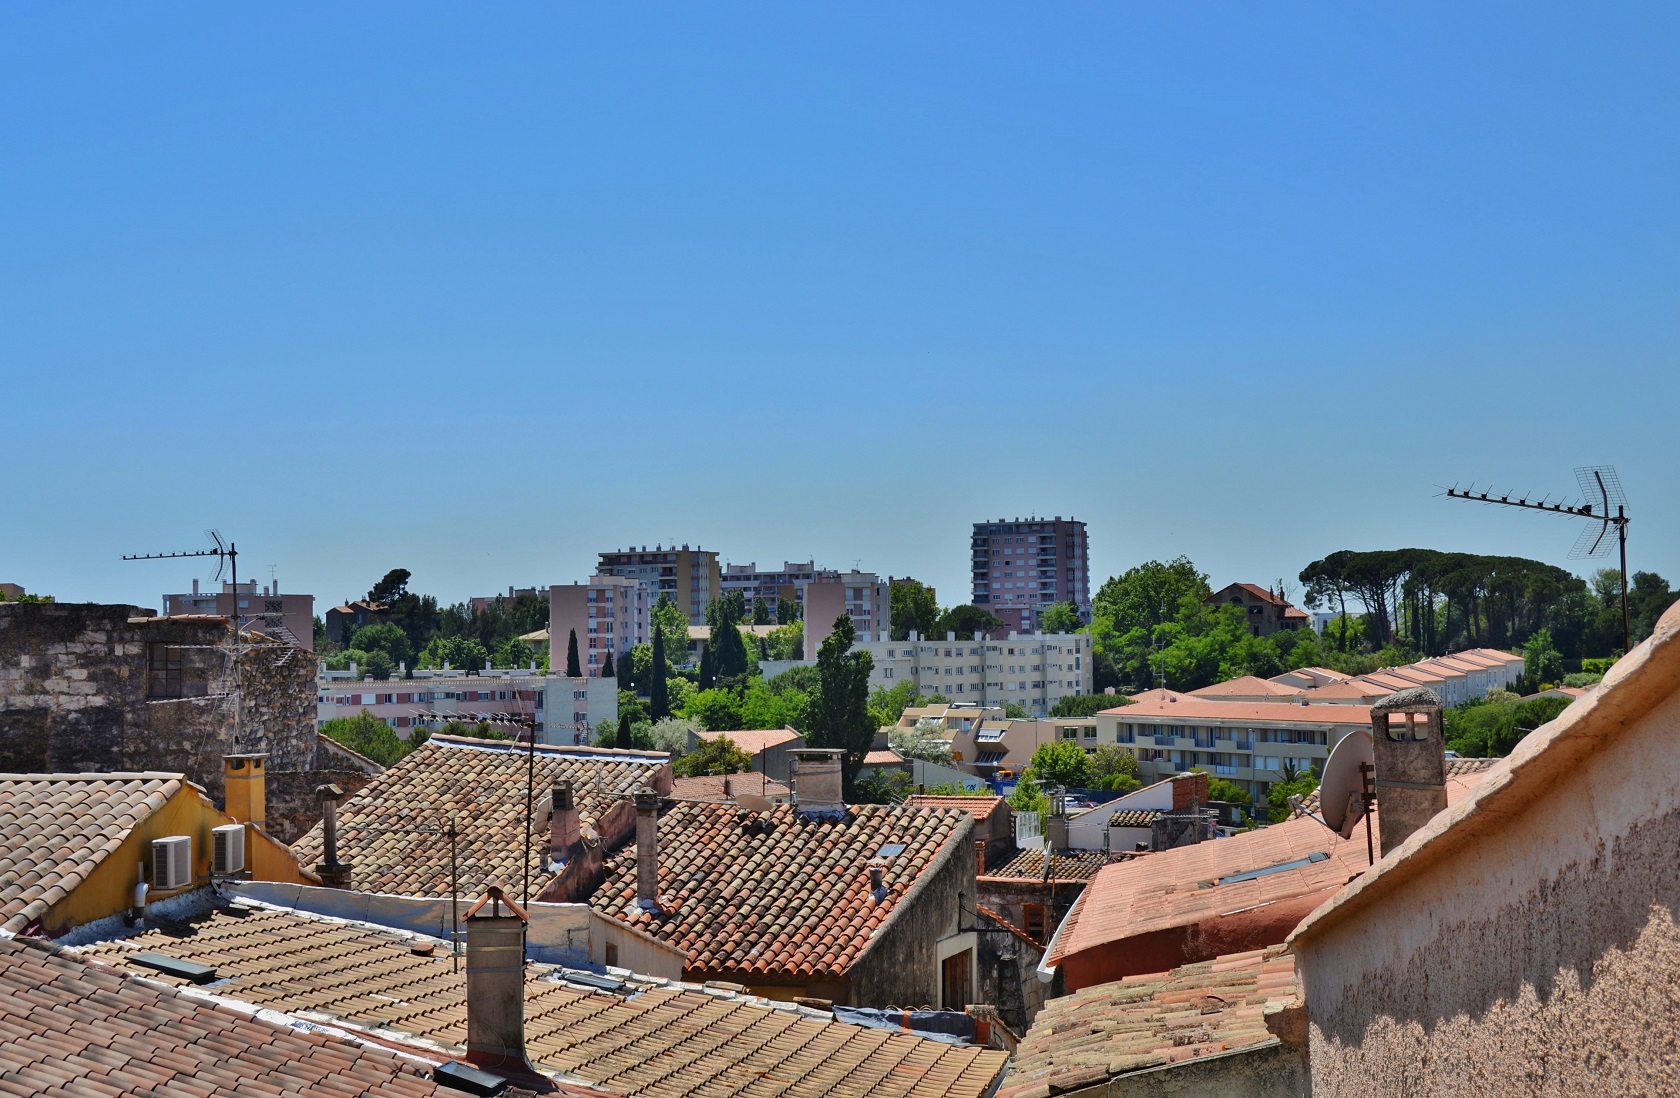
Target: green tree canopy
{"points": [[912, 607], [1062, 617], [787, 612], [839, 714], [1151, 594], [1086, 705], [671, 624], [1028, 796], [462, 653], [719, 756], [967, 622], [387, 639], [367, 735], [659, 698], [1114, 768], [1061, 762], [574, 667]]}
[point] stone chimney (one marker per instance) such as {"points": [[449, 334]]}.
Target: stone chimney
{"points": [[496, 983], [333, 873], [1189, 790], [1411, 770], [647, 850], [564, 830], [817, 787], [245, 785]]}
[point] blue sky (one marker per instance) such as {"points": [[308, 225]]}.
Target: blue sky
{"points": [[480, 291]]}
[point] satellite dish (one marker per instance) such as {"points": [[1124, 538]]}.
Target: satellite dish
{"points": [[752, 802], [1342, 780]]}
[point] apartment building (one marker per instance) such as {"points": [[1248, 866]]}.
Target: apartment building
{"points": [[288, 618], [566, 710], [864, 595], [610, 614], [1021, 566], [1250, 743], [1034, 671], [689, 576], [481, 603], [771, 585]]}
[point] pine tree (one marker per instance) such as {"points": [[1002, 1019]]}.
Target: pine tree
{"points": [[573, 668], [659, 702], [608, 671], [708, 678]]}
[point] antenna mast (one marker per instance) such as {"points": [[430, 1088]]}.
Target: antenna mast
{"points": [[1605, 504]]}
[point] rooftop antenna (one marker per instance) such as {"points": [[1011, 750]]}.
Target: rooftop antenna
{"points": [[1604, 503], [226, 556]]}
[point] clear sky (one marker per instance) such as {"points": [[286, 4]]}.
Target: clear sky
{"points": [[481, 290]]}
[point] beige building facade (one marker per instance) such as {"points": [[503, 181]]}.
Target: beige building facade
{"points": [[689, 576], [1033, 671]]}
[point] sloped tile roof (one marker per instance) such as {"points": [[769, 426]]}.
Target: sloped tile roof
{"points": [[783, 895], [1107, 1030], [886, 756], [1135, 817], [1246, 686], [392, 830], [55, 830], [1067, 866], [709, 787], [981, 808], [658, 1039], [69, 1027], [754, 740]]}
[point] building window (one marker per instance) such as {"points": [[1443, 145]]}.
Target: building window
{"points": [[1033, 916], [163, 664]]}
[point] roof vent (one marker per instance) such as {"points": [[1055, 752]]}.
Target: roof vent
{"points": [[458, 1076]]}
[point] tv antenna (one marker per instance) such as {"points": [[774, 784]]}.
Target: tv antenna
{"points": [[226, 557], [1603, 503]]}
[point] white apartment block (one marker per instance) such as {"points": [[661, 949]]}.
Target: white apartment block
{"points": [[1034, 671], [610, 614], [566, 710]]}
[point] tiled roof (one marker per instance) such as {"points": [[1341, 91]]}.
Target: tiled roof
{"points": [[391, 831], [1178, 888], [754, 740], [1189, 708], [1106, 1030], [981, 808], [657, 1039], [73, 1028], [55, 829], [1257, 591], [709, 787], [1246, 686], [783, 895], [1134, 817], [1347, 688], [1066, 866], [884, 757], [1471, 771]]}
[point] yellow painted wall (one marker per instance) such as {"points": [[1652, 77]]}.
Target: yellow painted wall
{"points": [[109, 889]]}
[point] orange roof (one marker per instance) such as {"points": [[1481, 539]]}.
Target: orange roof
{"points": [[1256, 590], [1350, 688], [754, 740], [1154, 693], [1492, 656], [886, 756], [1188, 708], [710, 787], [788, 897], [1247, 686], [1179, 888], [981, 808], [1085, 1038], [1066, 866]]}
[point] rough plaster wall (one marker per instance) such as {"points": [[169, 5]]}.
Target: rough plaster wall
{"points": [[901, 966], [1540, 962], [1270, 1071]]}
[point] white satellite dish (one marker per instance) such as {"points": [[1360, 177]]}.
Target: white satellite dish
{"points": [[752, 802], [1343, 780]]}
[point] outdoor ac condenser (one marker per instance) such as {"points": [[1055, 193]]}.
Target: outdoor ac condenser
{"points": [[172, 862], [227, 852]]}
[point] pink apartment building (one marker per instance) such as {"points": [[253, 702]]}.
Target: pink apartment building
{"points": [[610, 613], [1021, 566]]}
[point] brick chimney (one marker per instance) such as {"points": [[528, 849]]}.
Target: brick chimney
{"points": [[333, 873], [564, 830], [817, 788], [1411, 770], [1189, 789], [647, 850], [496, 983], [246, 788]]}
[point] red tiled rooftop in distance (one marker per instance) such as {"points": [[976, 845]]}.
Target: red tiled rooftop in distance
{"points": [[1188, 708], [710, 787], [883, 757], [981, 808], [755, 740], [1246, 686]]}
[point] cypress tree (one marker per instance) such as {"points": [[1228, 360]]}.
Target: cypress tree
{"points": [[659, 702], [573, 668], [623, 730], [708, 676], [608, 671]]}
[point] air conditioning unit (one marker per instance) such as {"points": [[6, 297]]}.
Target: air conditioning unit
{"points": [[172, 862], [227, 850]]}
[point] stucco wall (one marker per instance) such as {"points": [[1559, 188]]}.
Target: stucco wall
{"points": [[1536, 957], [901, 966]]}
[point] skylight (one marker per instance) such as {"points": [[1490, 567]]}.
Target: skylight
{"points": [[1282, 867]]}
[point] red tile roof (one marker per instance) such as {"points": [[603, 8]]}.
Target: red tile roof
{"points": [[981, 808], [392, 830], [755, 740], [1066, 866], [1188, 708], [56, 829], [710, 787], [1097, 1033], [654, 1039], [74, 1028], [1257, 591], [784, 895], [886, 756], [1246, 686], [1134, 817]]}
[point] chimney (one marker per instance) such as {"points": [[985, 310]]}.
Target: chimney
{"points": [[647, 850], [817, 782], [245, 787], [1189, 791], [1411, 770], [563, 830], [195, 587], [496, 982], [333, 873]]}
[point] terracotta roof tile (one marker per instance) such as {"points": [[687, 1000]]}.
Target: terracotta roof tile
{"points": [[390, 831], [55, 829], [981, 808], [1066, 866], [1134, 817], [754, 740], [784, 895], [75, 1028], [1246, 686], [1142, 1022], [710, 787], [660, 1040]]}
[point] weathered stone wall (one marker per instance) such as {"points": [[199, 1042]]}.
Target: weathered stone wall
{"points": [[1537, 956], [901, 966], [1009, 976]]}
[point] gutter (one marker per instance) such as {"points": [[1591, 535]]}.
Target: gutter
{"points": [[1046, 970]]}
